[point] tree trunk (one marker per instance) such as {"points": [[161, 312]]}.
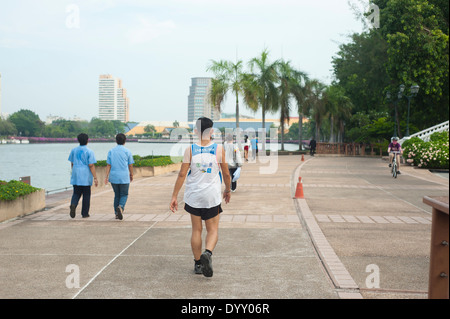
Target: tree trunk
{"points": [[300, 132], [282, 132], [237, 110], [331, 140], [263, 129]]}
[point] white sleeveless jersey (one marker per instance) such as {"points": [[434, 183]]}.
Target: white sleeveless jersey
{"points": [[203, 183]]}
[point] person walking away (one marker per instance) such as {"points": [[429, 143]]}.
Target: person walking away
{"points": [[254, 143], [312, 147], [233, 159], [83, 175], [246, 147], [205, 162], [119, 172]]}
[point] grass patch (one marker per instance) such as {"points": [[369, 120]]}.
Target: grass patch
{"points": [[149, 161]]}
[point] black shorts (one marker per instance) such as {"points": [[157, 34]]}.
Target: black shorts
{"points": [[204, 213]]}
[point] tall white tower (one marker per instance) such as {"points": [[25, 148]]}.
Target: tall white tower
{"points": [[114, 103]]}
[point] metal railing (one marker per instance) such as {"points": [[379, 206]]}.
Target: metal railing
{"points": [[425, 134]]}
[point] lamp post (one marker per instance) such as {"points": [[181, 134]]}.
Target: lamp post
{"points": [[413, 92], [399, 97]]}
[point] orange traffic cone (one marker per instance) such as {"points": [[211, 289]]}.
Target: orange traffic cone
{"points": [[299, 191], [303, 158]]}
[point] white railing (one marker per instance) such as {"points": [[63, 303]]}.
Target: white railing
{"points": [[425, 134]]}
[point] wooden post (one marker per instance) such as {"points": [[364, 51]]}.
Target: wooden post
{"points": [[439, 272]]}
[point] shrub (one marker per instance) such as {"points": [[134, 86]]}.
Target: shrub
{"points": [[409, 142], [433, 154], [146, 161], [14, 189], [439, 137]]}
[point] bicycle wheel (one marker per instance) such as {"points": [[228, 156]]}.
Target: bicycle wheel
{"points": [[394, 170]]}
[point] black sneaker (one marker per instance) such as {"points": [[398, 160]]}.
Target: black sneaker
{"points": [[198, 268], [390, 165], [72, 211], [86, 216], [398, 173], [206, 260], [119, 212]]}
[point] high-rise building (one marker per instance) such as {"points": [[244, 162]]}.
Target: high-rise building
{"points": [[113, 103], [199, 104]]}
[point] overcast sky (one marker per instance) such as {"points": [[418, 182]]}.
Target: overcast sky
{"points": [[50, 60]]}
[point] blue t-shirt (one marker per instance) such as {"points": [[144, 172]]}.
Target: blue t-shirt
{"points": [[81, 157], [119, 158], [254, 143]]}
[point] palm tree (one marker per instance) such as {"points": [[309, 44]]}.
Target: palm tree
{"points": [[339, 108], [290, 87], [229, 77], [300, 91], [264, 81], [317, 100], [301, 95]]}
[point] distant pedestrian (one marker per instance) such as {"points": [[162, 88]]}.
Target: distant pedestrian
{"points": [[119, 172], [246, 147], [254, 143], [233, 159], [202, 196], [83, 174], [312, 147]]}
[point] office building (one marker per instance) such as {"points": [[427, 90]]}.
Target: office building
{"points": [[199, 104], [113, 101]]}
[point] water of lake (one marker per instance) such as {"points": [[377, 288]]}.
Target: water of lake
{"points": [[48, 165]]}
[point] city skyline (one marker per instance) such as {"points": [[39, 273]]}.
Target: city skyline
{"points": [[50, 53]]}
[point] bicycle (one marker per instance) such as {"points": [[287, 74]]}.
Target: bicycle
{"points": [[395, 165]]}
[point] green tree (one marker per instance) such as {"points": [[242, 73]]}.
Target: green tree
{"points": [[360, 68], [290, 90], [317, 101], [229, 77], [101, 128], [7, 128], [64, 128], [339, 108], [301, 91], [416, 32], [264, 79], [27, 123]]}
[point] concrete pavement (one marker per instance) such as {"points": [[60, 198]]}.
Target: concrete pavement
{"points": [[271, 246], [377, 227]]}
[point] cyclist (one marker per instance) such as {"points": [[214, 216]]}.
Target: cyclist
{"points": [[395, 146]]}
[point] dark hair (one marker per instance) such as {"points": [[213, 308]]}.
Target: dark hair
{"points": [[203, 124], [121, 138], [83, 138]]}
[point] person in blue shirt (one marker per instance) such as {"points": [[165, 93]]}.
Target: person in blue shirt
{"points": [[83, 174], [119, 172], [254, 143]]}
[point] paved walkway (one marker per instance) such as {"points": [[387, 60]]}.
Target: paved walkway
{"points": [[271, 246]]}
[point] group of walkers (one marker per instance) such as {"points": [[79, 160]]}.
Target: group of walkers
{"points": [[205, 166], [119, 172]]}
